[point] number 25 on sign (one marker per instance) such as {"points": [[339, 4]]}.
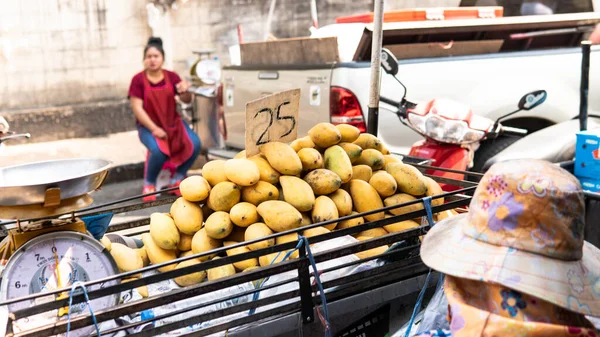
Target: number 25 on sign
{"points": [[272, 118]]}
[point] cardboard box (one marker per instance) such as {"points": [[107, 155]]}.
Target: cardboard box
{"points": [[587, 154]]}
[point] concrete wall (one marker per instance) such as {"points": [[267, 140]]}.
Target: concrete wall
{"points": [[65, 52], [66, 65]]}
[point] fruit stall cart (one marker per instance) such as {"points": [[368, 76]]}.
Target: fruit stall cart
{"points": [[368, 264], [55, 247]]}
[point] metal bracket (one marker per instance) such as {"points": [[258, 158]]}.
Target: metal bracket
{"points": [[52, 197], [306, 300]]}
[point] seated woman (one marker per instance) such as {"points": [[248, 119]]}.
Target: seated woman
{"points": [[161, 129], [517, 264]]}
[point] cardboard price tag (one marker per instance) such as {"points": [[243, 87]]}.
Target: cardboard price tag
{"points": [[272, 118]]}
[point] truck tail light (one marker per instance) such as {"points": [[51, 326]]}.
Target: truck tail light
{"points": [[221, 112], [345, 109]]}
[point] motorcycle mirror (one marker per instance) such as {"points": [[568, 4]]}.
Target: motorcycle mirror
{"points": [[532, 100], [389, 62]]}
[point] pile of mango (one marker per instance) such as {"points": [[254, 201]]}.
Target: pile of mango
{"points": [[333, 172]]}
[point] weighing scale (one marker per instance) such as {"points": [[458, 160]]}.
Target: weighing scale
{"points": [[52, 253]]}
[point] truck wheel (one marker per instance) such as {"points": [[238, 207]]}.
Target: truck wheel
{"points": [[487, 150]]}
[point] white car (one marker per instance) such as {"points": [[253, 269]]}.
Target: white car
{"points": [[500, 60]]}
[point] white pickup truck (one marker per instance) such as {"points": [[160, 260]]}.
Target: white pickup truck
{"points": [[499, 60]]}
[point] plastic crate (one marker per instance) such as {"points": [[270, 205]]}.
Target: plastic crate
{"points": [[587, 155]]}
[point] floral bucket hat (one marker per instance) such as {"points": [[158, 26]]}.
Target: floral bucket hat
{"points": [[524, 230]]}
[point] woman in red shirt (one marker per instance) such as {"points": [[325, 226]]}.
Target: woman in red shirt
{"points": [[161, 129]]}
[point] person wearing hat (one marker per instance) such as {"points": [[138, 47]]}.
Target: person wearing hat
{"points": [[516, 264]]}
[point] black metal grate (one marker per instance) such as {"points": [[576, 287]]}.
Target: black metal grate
{"points": [[401, 263]]}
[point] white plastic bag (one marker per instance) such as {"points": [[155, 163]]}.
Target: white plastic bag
{"points": [[432, 318]]}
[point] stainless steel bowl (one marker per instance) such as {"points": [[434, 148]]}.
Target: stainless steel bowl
{"points": [[27, 184]]}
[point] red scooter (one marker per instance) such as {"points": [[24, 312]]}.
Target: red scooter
{"points": [[452, 131]]}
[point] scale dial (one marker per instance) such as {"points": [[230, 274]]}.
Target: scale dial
{"points": [[52, 261]]}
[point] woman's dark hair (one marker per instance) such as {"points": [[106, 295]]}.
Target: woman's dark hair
{"points": [[155, 42]]}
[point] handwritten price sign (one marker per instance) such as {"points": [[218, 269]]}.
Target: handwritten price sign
{"points": [[272, 118]]}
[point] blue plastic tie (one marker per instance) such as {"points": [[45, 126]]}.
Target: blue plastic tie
{"points": [[87, 302], [427, 205], [256, 295], [417, 308]]}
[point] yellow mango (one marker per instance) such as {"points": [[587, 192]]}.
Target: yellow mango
{"points": [[402, 198], [257, 231], [337, 161], [315, 231], [367, 141], [349, 133], [297, 193], [214, 172], [243, 214], [220, 272], [351, 223], [282, 158], [241, 265], [157, 255], [409, 179], [279, 215], [362, 172], [365, 254], [383, 183], [324, 135], [267, 172], [372, 158], [242, 172], [292, 237], [373, 232], [311, 159], [191, 278], [237, 234], [185, 242], [260, 193], [224, 196], [401, 226], [143, 255], [302, 143], [194, 188], [187, 216], [106, 242], [352, 150], [323, 181], [218, 225], [342, 201], [163, 231], [366, 198], [324, 210], [202, 243], [126, 258], [433, 189], [388, 159]]}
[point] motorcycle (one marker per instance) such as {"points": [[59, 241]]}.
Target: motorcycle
{"points": [[452, 131]]}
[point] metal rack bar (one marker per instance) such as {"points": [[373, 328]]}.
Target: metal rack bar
{"points": [[402, 262]]}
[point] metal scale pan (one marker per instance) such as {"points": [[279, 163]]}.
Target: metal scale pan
{"points": [[49, 183]]}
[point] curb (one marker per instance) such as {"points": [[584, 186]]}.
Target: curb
{"points": [[123, 173], [135, 171]]}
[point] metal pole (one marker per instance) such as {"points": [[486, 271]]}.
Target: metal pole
{"points": [[375, 67], [313, 13], [269, 19], [585, 84]]}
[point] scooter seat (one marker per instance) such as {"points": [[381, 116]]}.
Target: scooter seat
{"points": [[555, 144]]}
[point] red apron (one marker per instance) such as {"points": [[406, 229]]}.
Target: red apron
{"points": [[159, 103]]}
